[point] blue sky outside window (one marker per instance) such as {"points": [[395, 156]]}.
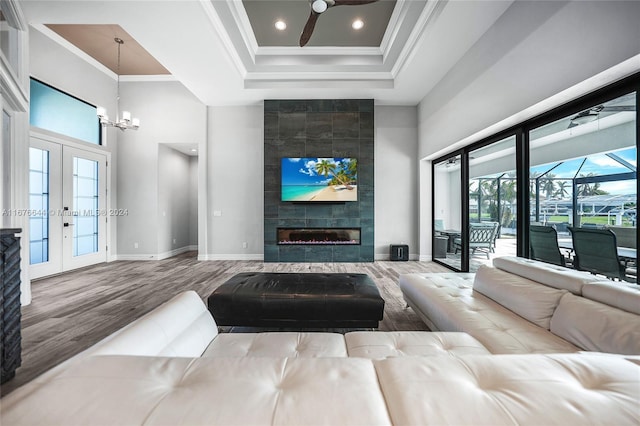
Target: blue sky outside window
{"points": [[59, 112]]}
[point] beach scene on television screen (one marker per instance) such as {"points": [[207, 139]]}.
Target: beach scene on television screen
{"points": [[320, 179]]}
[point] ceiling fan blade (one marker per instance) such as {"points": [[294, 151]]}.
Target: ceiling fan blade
{"points": [[308, 28], [352, 2]]}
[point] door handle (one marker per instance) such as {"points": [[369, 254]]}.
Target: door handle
{"points": [[66, 224]]}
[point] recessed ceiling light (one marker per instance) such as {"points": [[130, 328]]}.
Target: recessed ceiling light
{"points": [[280, 25], [357, 24], [194, 150]]}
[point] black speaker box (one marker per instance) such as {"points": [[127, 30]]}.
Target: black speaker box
{"points": [[399, 252]]}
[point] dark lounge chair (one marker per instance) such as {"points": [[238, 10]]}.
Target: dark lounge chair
{"points": [[596, 251], [544, 245]]}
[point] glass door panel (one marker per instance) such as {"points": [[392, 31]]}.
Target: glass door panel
{"points": [[45, 197], [583, 172], [38, 205], [447, 210], [492, 202], [84, 206]]}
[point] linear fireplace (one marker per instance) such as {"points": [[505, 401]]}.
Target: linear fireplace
{"points": [[319, 236]]}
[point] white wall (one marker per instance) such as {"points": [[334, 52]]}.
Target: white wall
{"points": [[193, 201], [234, 161], [533, 52], [168, 114], [396, 179]]}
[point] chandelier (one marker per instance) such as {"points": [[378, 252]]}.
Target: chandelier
{"points": [[125, 122]]}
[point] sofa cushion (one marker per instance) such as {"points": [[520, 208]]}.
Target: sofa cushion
{"points": [[545, 273], [180, 327], [455, 306], [595, 326], [380, 344], [421, 292], [510, 389], [129, 390], [527, 298], [277, 345], [619, 295]]}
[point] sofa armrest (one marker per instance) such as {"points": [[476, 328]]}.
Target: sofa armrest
{"points": [[181, 327]]}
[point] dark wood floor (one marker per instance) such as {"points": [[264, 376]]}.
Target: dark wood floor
{"points": [[72, 311]]}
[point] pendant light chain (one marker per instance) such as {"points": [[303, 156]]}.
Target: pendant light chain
{"points": [[120, 42], [125, 122]]}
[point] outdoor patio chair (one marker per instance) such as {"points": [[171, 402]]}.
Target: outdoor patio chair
{"points": [[596, 251], [482, 237], [543, 241]]}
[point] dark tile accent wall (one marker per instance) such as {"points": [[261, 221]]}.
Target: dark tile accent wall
{"points": [[322, 128]]}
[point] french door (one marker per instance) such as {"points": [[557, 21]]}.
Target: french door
{"points": [[67, 208]]}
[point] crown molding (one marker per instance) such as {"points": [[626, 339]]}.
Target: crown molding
{"points": [[259, 65], [429, 14], [239, 14], [147, 78], [220, 30]]}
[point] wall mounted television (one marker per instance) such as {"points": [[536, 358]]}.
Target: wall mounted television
{"points": [[319, 179]]}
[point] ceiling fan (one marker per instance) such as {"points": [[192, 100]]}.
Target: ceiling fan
{"points": [[318, 7], [592, 114]]}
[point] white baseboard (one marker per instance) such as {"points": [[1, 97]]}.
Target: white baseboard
{"points": [[259, 257], [159, 256]]}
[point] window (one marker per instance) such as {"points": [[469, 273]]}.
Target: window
{"points": [[39, 205], [59, 112], [573, 167]]}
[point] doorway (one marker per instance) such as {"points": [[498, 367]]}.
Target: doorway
{"points": [[67, 208]]}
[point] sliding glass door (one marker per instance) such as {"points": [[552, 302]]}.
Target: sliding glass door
{"points": [[492, 202], [575, 167], [447, 212]]}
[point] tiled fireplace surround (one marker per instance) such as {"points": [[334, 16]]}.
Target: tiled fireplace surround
{"points": [[318, 128]]}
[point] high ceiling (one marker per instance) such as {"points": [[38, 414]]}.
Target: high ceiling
{"points": [[333, 28], [98, 41], [221, 52]]}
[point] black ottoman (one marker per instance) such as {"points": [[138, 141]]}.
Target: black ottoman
{"points": [[308, 300]]}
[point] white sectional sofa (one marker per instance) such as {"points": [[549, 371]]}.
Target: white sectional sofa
{"points": [[526, 306], [171, 367]]}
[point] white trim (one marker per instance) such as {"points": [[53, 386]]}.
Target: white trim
{"points": [[239, 13], [324, 80], [137, 257], [46, 135], [13, 14], [428, 16], [395, 23], [147, 78], [318, 51], [259, 257], [159, 256], [14, 94], [219, 28], [426, 258], [176, 252]]}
